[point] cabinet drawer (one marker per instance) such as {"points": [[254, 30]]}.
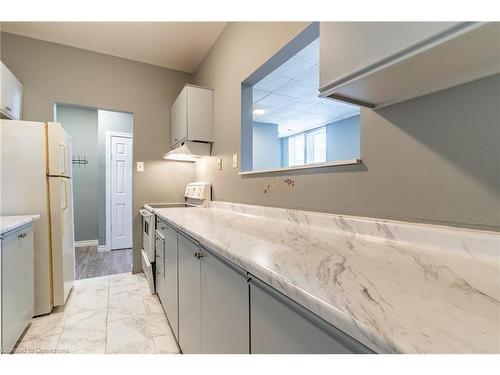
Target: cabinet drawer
{"points": [[159, 244]]}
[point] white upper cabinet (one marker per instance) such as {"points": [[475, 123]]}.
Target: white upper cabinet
{"points": [[11, 95], [192, 115], [380, 63]]}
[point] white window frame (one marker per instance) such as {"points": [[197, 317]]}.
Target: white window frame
{"points": [[309, 137], [292, 161]]}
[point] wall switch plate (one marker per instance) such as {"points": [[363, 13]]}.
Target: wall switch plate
{"points": [[140, 166], [235, 160], [219, 164]]}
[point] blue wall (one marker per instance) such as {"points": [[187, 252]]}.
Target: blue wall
{"points": [[266, 146], [342, 139]]}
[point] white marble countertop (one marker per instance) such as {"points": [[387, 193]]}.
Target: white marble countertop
{"points": [[393, 286], [8, 223]]}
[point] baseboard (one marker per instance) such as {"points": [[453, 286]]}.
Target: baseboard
{"points": [[86, 243], [103, 248]]}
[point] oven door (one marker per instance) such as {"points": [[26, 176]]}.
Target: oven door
{"points": [[148, 233], [148, 270]]}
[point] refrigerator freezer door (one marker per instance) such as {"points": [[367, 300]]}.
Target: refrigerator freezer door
{"points": [[23, 191], [62, 230], [59, 145]]}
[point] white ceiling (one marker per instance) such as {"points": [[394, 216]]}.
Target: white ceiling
{"points": [[289, 96], [175, 45]]}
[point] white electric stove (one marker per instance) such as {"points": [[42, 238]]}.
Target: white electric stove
{"points": [[197, 194]]}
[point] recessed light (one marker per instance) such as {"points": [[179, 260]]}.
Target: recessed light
{"points": [[259, 111]]}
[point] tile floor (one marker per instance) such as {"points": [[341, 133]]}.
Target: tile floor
{"points": [[110, 314]]}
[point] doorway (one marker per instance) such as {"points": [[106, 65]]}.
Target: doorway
{"points": [[102, 188]]}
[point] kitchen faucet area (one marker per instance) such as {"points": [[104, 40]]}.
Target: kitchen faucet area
{"points": [[220, 189]]}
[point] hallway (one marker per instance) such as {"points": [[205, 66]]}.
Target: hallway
{"points": [[91, 263]]}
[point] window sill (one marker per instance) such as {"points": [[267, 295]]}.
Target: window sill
{"points": [[300, 167]]}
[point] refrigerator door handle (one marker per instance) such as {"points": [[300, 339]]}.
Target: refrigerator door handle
{"points": [[63, 158], [65, 194]]}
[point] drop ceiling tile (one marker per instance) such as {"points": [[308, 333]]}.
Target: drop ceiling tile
{"points": [[311, 52], [270, 82], [294, 89], [310, 77], [258, 94], [300, 104], [293, 68], [274, 100]]}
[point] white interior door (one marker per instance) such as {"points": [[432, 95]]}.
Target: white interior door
{"points": [[121, 191]]}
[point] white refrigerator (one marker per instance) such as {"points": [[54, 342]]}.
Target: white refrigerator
{"points": [[36, 178]]}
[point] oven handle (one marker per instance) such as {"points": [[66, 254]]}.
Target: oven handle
{"points": [[145, 213]]}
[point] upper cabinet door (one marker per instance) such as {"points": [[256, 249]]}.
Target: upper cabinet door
{"points": [[346, 47], [11, 95], [377, 64], [200, 114], [192, 115], [178, 115]]}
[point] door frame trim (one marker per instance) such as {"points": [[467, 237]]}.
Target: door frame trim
{"points": [[109, 135]]}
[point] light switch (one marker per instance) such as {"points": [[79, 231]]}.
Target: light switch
{"points": [[235, 160], [140, 166], [219, 164]]}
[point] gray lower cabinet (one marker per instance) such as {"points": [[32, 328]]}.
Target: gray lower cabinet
{"points": [[171, 286], [189, 296], [279, 325], [225, 306], [17, 270], [213, 302]]}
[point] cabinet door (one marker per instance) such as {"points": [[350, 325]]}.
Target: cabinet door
{"points": [[171, 286], [189, 296], [200, 114], [17, 284], [225, 307], [279, 325], [347, 47], [178, 118], [11, 94]]}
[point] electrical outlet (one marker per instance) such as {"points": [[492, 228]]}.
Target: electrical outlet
{"points": [[140, 166], [219, 164], [235, 160]]}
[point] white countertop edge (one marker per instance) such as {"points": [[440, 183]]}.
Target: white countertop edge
{"points": [[13, 222]]}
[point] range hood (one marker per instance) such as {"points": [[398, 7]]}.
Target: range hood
{"points": [[188, 151]]}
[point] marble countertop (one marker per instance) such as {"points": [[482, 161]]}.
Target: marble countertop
{"points": [[395, 287], [8, 223]]}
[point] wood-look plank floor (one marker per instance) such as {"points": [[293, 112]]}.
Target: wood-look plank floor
{"points": [[91, 263]]}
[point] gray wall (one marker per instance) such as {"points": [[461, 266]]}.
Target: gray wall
{"points": [[55, 73], [81, 124], [115, 122], [266, 146], [431, 159], [342, 139]]}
